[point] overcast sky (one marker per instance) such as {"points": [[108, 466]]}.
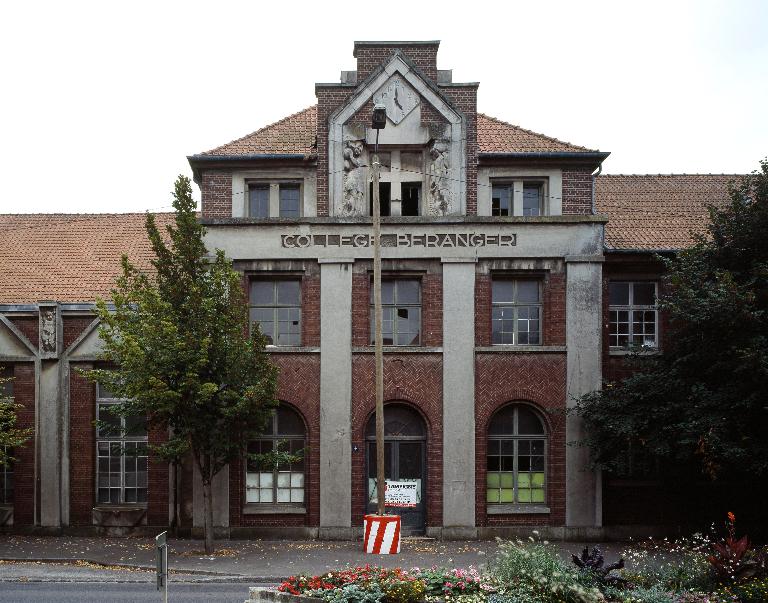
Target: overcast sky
{"points": [[101, 102]]}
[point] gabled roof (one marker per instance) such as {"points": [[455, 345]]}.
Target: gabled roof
{"points": [[296, 133], [657, 212], [496, 136], [69, 257], [291, 135]]}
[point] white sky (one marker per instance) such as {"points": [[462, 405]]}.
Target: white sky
{"points": [[101, 102]]}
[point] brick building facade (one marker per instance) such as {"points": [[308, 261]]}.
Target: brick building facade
{"points": [[516, 278]]}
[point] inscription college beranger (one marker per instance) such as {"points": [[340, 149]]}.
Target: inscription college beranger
{"points": [[469, 239]]}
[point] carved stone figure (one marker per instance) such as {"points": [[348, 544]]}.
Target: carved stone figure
{"points": [[48, 331], [439, 195], [354, 179]]}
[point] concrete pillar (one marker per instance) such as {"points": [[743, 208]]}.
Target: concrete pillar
{"points": [[49, 438], [336, 398], [459, 398], [583, 340]]}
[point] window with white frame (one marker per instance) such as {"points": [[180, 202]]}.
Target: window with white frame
{"points": [[523, 197], [276, 306], [516, 311], [6, 470], [258, 200], [267, 480], [516, 457], [121, 453], [400, 312], [633, 315]]}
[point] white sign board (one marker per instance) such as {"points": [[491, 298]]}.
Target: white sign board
{"points": [[401, 494]]}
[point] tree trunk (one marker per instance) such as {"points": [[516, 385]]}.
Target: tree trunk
{"points": [[208, 513]]}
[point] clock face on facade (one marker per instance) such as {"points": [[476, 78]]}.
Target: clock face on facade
{"points": [[399, 99]]}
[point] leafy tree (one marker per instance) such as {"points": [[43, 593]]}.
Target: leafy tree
{"points": [[10, 436], [704, 401], [178, 342]]}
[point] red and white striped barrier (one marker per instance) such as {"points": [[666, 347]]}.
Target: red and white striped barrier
{"points": [[382, 534]]}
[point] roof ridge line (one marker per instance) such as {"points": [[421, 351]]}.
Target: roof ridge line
{"points": [[552, 138], [263, 128]]}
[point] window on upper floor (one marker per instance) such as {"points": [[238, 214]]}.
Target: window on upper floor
{"points": [[276, 306], [401, 312], [258, 200], [274, 199], [121, 453], [516, 311], [400, 188], [516, 457], [290, 201], [633, 316], [519, 197], [273, 482]]}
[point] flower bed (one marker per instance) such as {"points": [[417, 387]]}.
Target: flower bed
{"points": [[695, 570]]}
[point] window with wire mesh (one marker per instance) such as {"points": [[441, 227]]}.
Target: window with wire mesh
{"points": [[272, 482], [276, 306], [516, 457], [121, 453], [633, 316], [6, 470], [516, 311], [401, 312]]}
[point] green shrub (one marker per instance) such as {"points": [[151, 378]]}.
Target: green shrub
{"points": [[351, 593], [534, 573]]}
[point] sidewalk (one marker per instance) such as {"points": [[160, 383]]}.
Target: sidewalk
{"points": [[257, 560]]}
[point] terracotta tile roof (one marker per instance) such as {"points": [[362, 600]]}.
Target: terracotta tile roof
{"points": [[294, 134], [657, 211], [496, 136], [68, 257]]}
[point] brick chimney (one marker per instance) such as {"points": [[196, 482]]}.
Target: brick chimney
{"points": [[370, 55]]}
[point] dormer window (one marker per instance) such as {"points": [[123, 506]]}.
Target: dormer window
{"points": [[523, 197], [270, 199]]}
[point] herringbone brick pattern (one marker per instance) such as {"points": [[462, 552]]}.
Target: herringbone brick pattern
{"points": [[538, 380], [417, 380], [298, 386]]}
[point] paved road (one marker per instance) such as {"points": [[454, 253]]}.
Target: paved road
{"points": [[91, 592]]}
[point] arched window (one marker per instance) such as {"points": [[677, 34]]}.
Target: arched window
{"points": [[517, 447], [269, 479]]}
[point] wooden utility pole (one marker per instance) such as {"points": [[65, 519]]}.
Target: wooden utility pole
{"points": [[379, 355]]}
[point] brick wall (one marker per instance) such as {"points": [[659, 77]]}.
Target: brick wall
{"points": [[465, 98], [216, 194], [577, 191], [553, 309], [298, 386], [74, 327], [82, 447], [328, 99], [370, 57], [24, 467], [416, 379], [538, 379], [29, 326], [310, 310]]}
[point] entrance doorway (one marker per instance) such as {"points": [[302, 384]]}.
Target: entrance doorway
{"points": [[405, 443]]}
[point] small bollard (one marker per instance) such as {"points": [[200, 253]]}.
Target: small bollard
{"points": [[161, 542]]}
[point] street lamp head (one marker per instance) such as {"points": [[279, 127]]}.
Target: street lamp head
{"points": [[379, 118]]}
